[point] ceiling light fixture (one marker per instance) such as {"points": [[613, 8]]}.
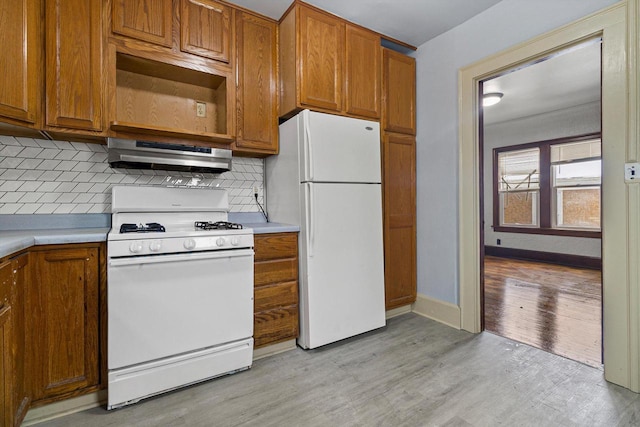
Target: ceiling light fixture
{"points": [[491, 98]]}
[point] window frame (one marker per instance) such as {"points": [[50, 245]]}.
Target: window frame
{"points": [[545, 223]]}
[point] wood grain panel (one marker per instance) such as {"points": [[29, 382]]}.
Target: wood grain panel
{"points": [[21, 395], [20, 59], [6, 367], [288, 65], [147, 20], [362, 72], [64, 329], [399, 92], [164, 96], [399, 187], [275, 325], [205, 29], [73, 32], [276, 245], [275, 271], [257, 114], [7, 378], [275, 295], [276, 288], [321, 56]]}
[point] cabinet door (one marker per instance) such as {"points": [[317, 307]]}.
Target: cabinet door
{"points": [[257, 119], [321, 55], [73, 64], [19, 59], [147, 20], [399, 92], [6, 368], [7, 374], [20, 267], [63, 332], [205, 29], [362, 76], [399, 188]]}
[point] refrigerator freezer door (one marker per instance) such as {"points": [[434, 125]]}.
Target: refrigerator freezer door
{"points": [[342, 277], [339, 149]]}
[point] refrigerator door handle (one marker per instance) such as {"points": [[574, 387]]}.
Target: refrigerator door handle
{"points": [[307, 140], [310, 225]]}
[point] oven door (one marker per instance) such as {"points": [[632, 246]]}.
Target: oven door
{"points": [[165, 305]]}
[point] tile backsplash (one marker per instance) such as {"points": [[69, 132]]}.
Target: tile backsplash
{"points": [[56, 177]]}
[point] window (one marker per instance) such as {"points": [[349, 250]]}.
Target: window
{"points": [[549, 187]]}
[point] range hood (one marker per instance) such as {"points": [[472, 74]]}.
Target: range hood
{"points": [[138, 154]]}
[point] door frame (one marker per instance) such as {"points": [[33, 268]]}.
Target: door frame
{"points": [[621, 202]]}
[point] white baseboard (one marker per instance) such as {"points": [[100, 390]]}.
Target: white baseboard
{"points": [[440, 311], [398, 311], [65, 407]]}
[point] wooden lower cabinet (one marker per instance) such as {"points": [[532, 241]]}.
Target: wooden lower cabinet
{"points": [[399, 190], [7, 375], [63, 327], [276, 288], [20, 266]]}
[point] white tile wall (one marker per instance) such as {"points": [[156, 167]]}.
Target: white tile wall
{"points": [[44, 177]]}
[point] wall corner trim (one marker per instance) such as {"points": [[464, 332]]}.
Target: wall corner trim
{"points": [[440, 311]]}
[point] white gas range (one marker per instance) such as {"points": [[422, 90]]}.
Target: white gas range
{"points": [[180, 291]]}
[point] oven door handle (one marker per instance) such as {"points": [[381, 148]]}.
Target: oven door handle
{"points": [[190, 256]]}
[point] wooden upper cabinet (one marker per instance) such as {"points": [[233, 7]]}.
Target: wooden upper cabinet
{"points": [[63, 328], [205, 29], [74, 71], [328, 64], [399, 89], [257, 62], [399, 193], [147, 20], [20, 60], [362, 75], [321, 55]]}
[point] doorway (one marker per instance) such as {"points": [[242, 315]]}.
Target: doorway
{"points": [[619, 273], [541, 165]]}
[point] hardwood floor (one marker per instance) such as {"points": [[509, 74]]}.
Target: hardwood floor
{"points": [[414, 372], [552, 307]]}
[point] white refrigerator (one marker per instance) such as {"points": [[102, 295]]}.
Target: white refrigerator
{"points": [[326, 179]]}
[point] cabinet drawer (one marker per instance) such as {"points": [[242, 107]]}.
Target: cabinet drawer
{"points": [[273, 246], [276, 325], [285, 270], [274, 296]]}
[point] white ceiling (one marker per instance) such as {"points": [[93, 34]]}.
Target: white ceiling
{"points": [[565, 80], [410, 21]]}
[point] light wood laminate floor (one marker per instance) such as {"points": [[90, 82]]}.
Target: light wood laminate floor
{"points": [[552, 307], [414, 372]]}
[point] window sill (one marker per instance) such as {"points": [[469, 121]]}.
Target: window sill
{"points": [[550, 231]]}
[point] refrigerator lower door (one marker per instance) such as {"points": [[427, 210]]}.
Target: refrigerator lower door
{"points": [[342, 276]]}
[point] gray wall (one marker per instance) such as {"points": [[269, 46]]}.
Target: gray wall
{"points": [[578, 120], [438, 62]]}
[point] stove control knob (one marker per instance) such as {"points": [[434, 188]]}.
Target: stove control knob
{"points": [[135, 247], [155, 246], [220, 241], [189, 244], [235, 241]]}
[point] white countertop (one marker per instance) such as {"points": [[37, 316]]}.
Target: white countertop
{"points": [[16, 240]]}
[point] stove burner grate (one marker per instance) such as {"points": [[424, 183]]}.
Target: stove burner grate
{"points": [[218, 225], [151, 227]]}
